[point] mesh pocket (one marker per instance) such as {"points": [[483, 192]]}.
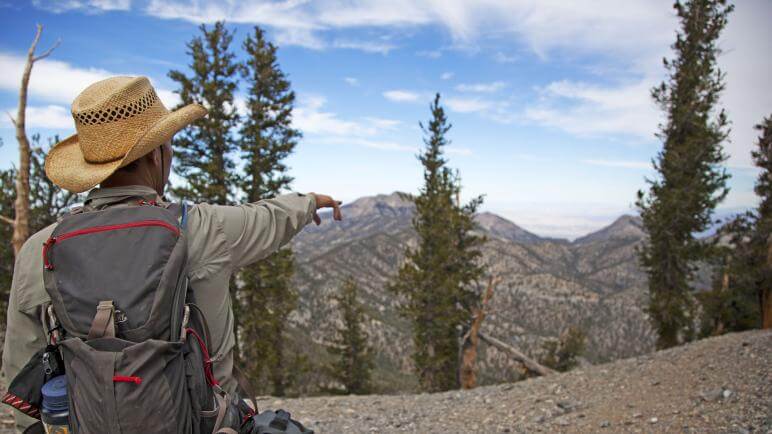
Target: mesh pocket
{"points": [[120, 386]]}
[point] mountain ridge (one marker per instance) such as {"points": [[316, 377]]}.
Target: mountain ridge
{"points": [[395, 205], [546, 285]]}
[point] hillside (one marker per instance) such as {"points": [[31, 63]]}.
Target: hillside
{"points": [[717, 385], [547, 285]]}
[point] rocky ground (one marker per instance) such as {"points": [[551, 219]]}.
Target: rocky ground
{"points": [[721, 385], [716, 385]]}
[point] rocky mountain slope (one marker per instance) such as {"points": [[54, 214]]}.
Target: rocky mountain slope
{"points": [[546, 286], [716, 385]]}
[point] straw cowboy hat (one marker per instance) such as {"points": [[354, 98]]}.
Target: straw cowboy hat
{"points": [[117, 120]]}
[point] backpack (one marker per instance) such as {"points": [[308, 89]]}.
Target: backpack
{"points": [[133, 344]]}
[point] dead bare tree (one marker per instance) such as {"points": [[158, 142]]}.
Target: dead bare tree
{"points": [[766, 293], [20, 222], [530, 364], [470, 341]]}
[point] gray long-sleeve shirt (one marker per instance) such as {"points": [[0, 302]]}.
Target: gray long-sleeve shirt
{"points": [[221, 239]]}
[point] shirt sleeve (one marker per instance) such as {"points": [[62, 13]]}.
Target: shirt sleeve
{"points": [[251, 231], [24, 334]]}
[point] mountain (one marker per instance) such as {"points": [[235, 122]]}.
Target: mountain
{"points": [[386, 214], [496, 226], [546, 286], [623, 228]]}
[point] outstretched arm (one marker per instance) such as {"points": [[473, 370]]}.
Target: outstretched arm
{"points": [[255, 230]]}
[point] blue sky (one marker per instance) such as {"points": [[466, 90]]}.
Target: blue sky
{"points": [[550, 100]]}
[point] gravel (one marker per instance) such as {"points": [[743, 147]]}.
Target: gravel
{"points": [[716, 385]]}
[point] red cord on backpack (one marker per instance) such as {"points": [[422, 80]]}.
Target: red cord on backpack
{"points": [[127, 379], [207, 361]]}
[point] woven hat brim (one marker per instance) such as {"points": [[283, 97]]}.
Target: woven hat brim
{"points": [[67, 168]]}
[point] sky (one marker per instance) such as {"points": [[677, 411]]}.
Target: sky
{"points": [[549, 100]]}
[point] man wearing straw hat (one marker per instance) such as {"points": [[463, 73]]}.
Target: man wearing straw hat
{"points": [[123, 146]]}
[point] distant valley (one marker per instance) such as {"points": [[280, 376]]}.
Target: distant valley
{"points": [[547, 285]]}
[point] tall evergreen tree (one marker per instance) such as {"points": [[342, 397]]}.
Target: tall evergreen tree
{"points": [[691, 179], [740, 298], [353, 363], [204, 151], [434, 281], [267, 138], [762, 157], [47, 203], [732, 304]]}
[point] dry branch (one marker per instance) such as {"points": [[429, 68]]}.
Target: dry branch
{"points": [[21, 229], [470, 341], [517, 355], [766, 293]]}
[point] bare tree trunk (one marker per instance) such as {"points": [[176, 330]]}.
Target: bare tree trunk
{"points": [[470, 341], [766, 292], [718, 328], [21, 229], [530, 364]]}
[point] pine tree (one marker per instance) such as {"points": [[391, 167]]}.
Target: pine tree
{"points": [[691, 180], [203, 151], [267, 138], [743, 281], [732, 304], [353, 363], [562, 354], [7, 198], [762, 157], [47, 203], [435, 279]]}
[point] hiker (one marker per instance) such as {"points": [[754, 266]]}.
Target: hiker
{"points": [[123, 146]]}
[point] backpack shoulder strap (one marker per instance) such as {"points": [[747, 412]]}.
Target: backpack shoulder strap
{"points": [[181, 210]]}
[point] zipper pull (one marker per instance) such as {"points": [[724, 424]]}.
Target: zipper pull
{"points": [[46, 246]]}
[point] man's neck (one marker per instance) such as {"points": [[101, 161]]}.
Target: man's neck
{"points": [[127, 182]]}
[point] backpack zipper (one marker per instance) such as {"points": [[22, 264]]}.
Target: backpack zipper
{"points": [[67, 235]]}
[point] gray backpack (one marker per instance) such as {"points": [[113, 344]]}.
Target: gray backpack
{"points": [[133, 344]]}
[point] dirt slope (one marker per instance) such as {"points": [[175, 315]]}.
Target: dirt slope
{"points": [[721, 384]]}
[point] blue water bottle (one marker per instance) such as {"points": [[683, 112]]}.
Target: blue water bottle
{"points": [[55, 406]]}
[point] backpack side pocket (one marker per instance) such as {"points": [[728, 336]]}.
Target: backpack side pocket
{"points": [[121, 386]]}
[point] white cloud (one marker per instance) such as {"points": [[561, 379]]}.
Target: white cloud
{"points": [[599, 28], [431, 54], [382, 123], [587, 109], [501, 57], [326, 127], [383, 145], [366, 46], [446, 76], [50, 116], [398, 95], [467, 105], [455, 150], [87, 6], [51, 80], [747, 98], [584, 25], [619, 163], [491, 87], [54, 81], [311, 118], [351, 81]]}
